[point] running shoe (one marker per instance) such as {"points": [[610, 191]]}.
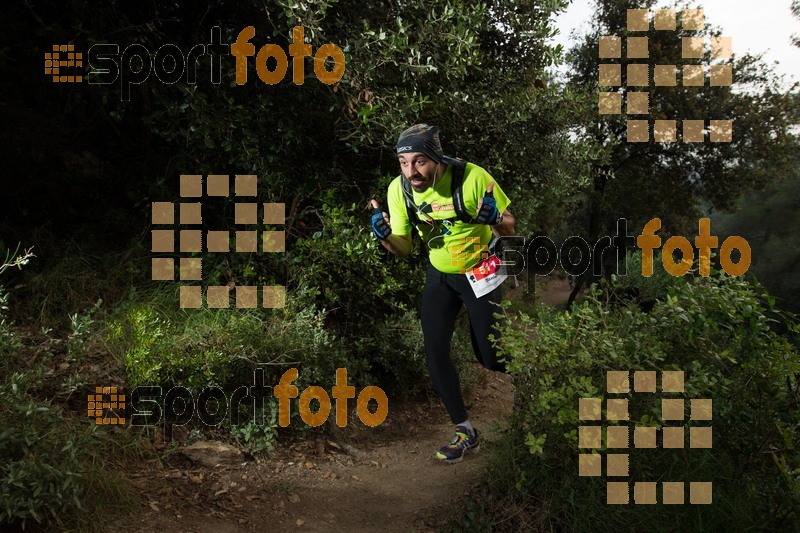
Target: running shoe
{"points": [[461, 443]]}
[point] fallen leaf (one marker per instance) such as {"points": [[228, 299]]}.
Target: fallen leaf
{"points": [[154, 507], [300, 522], [294, 498]]}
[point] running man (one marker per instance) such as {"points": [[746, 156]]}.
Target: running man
{"points": [[457, 234]]}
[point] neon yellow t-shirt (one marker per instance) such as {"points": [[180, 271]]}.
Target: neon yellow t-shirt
{"points": [[461, 248]]}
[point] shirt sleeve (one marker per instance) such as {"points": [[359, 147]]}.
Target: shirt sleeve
{"points": [[480, 180], [398, 214]]}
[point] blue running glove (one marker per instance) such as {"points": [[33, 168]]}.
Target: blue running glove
{"points": [[379, 226]]}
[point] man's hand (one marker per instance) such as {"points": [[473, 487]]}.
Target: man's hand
{"points": [[487, 209], [380, 222]]}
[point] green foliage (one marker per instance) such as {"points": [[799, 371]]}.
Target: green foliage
{"points": [[358, 280], [676, 181], [207, 347], [43, 458], [258, 435], [396, 350], [715, 329], [770, 221]]}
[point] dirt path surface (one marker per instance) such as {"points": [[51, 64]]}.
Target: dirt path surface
{"points": [[383, 478], [556, 292], [388, 481]]}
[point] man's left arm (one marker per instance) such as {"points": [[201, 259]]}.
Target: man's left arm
{"points": [[502, 225], [507, 225]]}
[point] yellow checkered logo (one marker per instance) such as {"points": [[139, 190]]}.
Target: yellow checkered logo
{"points": [[633, 93], [61, 58], [102, 406], [192, 240], [618, 437]]}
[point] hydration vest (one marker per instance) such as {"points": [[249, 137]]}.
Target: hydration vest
{"points": [[415, 212]]}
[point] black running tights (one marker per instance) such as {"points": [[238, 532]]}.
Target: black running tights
{"points": [[441, 301]]}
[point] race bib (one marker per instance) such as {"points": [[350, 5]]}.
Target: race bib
{"points": [[486, 276]]}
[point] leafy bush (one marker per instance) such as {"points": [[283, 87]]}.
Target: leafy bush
{"points": [[258, 434], [717, 330], [358, 281], [42, 458], [205, 347], [396, 350]]}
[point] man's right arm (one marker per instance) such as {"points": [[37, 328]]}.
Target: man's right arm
{"points": [[399, 245]]}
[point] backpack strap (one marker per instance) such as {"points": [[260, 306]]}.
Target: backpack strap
{"points": [[456, 181], [408, 197]]}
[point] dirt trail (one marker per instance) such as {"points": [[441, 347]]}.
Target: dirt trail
{"points": [[314, 485]]}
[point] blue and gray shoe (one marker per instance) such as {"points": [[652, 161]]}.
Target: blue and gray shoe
{"points": [[461, 443]]}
